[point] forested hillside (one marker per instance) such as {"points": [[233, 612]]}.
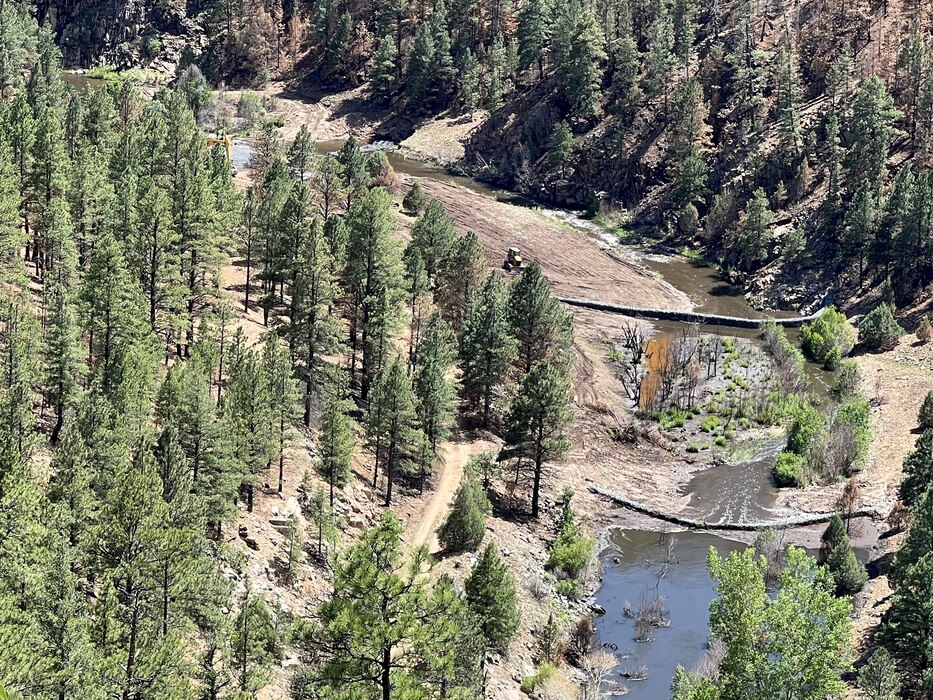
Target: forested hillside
{"points": [[141, 413], [769, 133]]}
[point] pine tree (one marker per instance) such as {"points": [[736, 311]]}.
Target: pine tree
{"points": [[749, 239], [420, 64], [561, 146], [247, 410], [469, 83], [627, 61], [414, 200], [534, 28], [908, 625], [487, 348], [337, 442], [433, 236], [789, 99], [542, 329], [491, 596], [879, 678], [418, 287], [661, 58], [282, 395], [316, 330], [837, 555], [110, 307], [860, 222], [12, 237], [383, 629], [64, 364], [459, 277], [496, 68], [373, 267], [748, 62], [391, 427], [19, 344], [385, 68], [534, 434], [434, 392], [870, 131], [683, 19], [255, 642], [352, 169], [579, 57], [465, 525]]}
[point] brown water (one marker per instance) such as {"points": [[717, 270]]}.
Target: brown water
{"points": [[81, 82], [649, 565]]}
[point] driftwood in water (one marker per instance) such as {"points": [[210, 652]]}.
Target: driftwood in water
{"points": [[800, 521]]}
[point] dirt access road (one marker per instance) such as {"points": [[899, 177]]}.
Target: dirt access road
{"points": [[430, 516]]}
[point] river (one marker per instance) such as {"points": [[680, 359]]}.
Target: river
{"points": [[642, 562]]}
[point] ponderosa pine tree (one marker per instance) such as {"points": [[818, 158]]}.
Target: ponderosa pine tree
{"points": [[486, 349], [418, 287], [337, 442], [435, 393], [491, 596], [535, 424], [869, 132], [282, 395], [579, 52], [541, 328], [373, 265], [385, 69], [255, 641], [316, 330], [460, 276], [534, 35], [465, 525], [391, 428], [433, 236], [384, 628]]}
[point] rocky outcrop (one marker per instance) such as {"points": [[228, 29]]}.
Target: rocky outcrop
{"points": [[121, 33]]}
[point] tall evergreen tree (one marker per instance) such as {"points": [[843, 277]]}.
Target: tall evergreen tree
{"points": [[487, 348], [535, 424]]}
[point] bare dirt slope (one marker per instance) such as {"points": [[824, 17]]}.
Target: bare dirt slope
{"points": [[572, 262]]}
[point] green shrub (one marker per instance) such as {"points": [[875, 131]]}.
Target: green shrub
{"points": [[879, 330], [925, 417], [674, 418], [249, 108], [925, 330], [569, 587], [693, 447], [573, 550], [788, 470], [721, 441], [710, 424], [541, 676], [808, 424], [465, 526], [414, 200], [857, 414], [827, 339], [847, 382]]}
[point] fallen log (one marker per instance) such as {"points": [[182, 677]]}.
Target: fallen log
{"points": [[800, 521], [688, 316]]}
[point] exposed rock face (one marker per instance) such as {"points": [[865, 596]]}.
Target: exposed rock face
{"points": [[121, 33]]}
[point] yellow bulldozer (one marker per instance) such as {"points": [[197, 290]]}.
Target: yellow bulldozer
{"points": [[513, 261]]}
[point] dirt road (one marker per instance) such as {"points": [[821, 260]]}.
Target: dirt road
{"points": [[456, 454]]}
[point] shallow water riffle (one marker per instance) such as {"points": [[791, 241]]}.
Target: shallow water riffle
{"points": [[736, 493], [671, 566]]}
